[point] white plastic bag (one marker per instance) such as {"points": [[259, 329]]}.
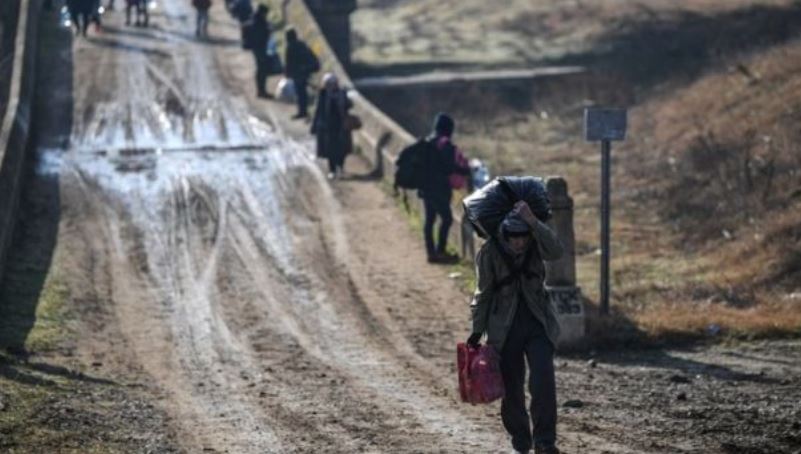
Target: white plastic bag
{"points": [[285, 90]]}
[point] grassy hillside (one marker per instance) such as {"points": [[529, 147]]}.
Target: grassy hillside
{"points": [[508, 32]]}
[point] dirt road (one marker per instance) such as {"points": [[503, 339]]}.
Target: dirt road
{"points": [[263, 309], [220, 264]]}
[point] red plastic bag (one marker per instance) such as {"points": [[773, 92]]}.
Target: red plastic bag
{"points": [[457, 181], [480, 380]]}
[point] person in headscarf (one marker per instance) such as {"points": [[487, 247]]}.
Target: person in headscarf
{"points": [[512, 308], [334, 141]]}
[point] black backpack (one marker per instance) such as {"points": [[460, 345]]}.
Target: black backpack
{"points": [[410, 167]]}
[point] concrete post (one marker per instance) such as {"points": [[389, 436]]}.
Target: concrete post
{"points": [[563, 271], [560, 279], [334, 19]]}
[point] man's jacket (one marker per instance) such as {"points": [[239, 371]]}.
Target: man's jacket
{"points": [[258, 34], [494, 307], [300, 61], [440, 164]]}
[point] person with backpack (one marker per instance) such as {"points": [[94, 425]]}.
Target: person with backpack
{"points": [[256, 37], [334, 141], [301, 63], [438, 164], [512, 308], [202, 21]]}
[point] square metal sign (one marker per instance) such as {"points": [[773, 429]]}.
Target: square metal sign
{"points": [[602, 124]]}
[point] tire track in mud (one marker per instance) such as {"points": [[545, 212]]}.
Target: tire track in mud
{"points": [[338, 327], [331, 343], [169, 317]]}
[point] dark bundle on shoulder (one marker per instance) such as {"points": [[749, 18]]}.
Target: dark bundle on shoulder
{"points": [[487, 207]]}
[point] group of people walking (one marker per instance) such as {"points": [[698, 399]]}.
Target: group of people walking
{"points": [[299, 62], [85, 12], [331, 124], [510, 308]]}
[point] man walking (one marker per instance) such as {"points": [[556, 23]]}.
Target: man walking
{"points": [[257, 36], [202, 24], [81, 14], [511, 306], [436, 190], [140, 9], [301, 63]]}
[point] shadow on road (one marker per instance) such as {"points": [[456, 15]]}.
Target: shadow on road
{"points": [[684, 367], [115, 44], [23, 288], [145, 33]]}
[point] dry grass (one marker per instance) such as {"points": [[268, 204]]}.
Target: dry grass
{"points": [[510, 33], [707, 189]]}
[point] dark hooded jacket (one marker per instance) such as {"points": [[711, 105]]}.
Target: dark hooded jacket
{"points": [[333, 141], [300, 60]]}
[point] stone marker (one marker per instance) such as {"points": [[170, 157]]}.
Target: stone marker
{"points": [[560, 279]]}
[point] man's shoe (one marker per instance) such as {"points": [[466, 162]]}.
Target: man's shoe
{"points": [[299, 116], [545, 450]]}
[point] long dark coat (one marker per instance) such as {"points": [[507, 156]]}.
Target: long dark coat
{"points": [[333, 141]]}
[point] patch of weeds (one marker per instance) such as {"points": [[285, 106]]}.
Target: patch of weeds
{"points": [[48, 408], [52, 318], [34, 311]]}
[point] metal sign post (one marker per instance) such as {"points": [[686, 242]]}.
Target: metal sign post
{"points": [[605, 126]]}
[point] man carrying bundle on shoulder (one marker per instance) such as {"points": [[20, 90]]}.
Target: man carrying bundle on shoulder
{"points": [[512, 308]]}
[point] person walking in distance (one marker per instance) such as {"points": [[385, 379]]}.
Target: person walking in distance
{"points": [[139, 7], [242, 10], [81, 14], [301, 63], [202, 21], [512, 308], [256, 35], [435, 188], [334, 140]]}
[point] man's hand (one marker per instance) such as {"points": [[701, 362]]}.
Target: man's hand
{"points": [[524, 211], [474, 340]]}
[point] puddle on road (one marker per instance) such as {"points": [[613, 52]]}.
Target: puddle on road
{"points": [[161, 125]]}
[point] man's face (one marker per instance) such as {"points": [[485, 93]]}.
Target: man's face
{"points": [[518, 244]]}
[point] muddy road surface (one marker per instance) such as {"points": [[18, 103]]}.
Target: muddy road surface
{"points": [[264, 309], [215, 258]]}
